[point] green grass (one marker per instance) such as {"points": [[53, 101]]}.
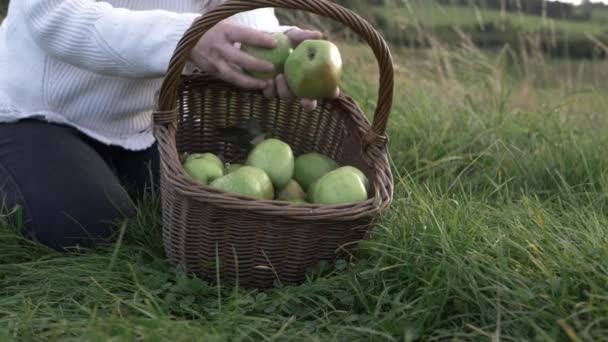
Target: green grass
{"points": [[498, 230], [600, 16]]}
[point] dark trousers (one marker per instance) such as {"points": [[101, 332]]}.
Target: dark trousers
{"points": [[72, 190]]}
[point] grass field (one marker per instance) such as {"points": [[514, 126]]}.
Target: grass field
{"points": [[498, 230]]}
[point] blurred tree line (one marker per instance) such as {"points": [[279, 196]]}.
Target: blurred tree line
{"points": [[551, 9]]}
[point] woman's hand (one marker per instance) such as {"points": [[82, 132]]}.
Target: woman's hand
{"points": [[217, 54], [279, 87]]}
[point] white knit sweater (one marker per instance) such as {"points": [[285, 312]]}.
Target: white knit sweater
{"points": [[96, 65]]}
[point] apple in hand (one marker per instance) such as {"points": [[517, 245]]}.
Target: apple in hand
{"points": [[277, 56], [314, 68]]}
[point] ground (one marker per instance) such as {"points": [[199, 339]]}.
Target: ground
{"points": [[498, 230]]}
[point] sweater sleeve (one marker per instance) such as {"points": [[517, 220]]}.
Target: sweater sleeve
{"points": [[263, 19], [100, 38]]}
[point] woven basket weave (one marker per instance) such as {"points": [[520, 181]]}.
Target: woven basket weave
{"points": [[255, 243]]}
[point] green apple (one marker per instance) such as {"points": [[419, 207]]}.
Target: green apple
{"points": [[340, 186], [311, 166], [276, 158], [277, 56], [233, 167], [247, 181], [208, 156], [292, 191], [311, 191], [202, 170], [360, 174], [314, 68]]}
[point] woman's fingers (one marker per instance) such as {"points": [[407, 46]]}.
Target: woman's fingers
{"points": [[336, 94], [244, 35], [270, 92], [279, 89], [246, 61], [238, 78], [283, 89], [297, 36], [308, 105]]}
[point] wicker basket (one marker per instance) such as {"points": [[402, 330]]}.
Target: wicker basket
{"points": [[256, 243]]}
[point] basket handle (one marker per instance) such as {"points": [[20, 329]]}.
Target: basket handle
{"points": [[167, 97]]}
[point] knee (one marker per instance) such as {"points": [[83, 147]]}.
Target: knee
{"points": [[77, 219]]}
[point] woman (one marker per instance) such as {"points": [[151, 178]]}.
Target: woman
{"points": [[77, 86]]}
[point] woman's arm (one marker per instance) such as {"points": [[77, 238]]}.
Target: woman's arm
{"points": [[263, 19], [100, 38]]}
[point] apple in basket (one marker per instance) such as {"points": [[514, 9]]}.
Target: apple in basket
{"points": [[203, 167], [292, 192], [272, 172], [247, 181], [276, 158], [340, 186], [311, 166], [230, 168]]}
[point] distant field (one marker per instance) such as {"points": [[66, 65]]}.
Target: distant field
{"points": [[414, 24], [431, 15]]}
